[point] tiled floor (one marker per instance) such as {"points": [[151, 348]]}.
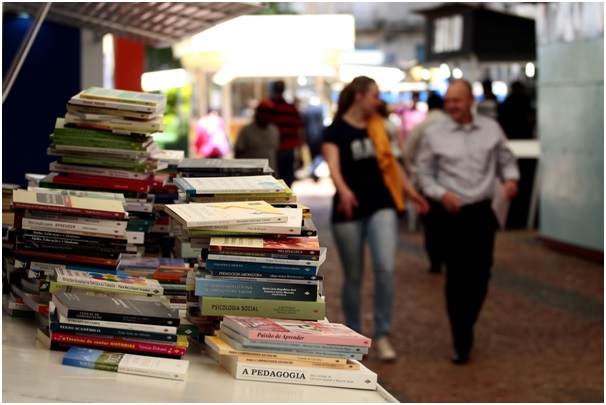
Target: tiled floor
{"points": [[540, 337]]}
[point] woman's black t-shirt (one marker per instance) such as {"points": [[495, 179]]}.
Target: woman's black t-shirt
{"points": [[359, 169]]}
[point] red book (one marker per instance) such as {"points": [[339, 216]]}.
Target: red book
{"points": [[68, 257], [118, 344], [287, 330], [301, 246], [103, 182]]}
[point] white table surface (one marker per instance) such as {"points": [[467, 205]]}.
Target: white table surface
{"points": [[32, 373]]}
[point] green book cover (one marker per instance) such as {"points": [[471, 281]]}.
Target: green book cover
{"points": [[100, 143], [281, 309]]}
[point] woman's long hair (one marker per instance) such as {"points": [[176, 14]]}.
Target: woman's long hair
{"points": [[359, 84]]}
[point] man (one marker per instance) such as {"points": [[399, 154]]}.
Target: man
{"points": [[431, 228], [313, 119], [288, 120], [459, 161]]}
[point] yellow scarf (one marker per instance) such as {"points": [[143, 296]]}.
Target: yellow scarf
{"points": [[386, 159]]}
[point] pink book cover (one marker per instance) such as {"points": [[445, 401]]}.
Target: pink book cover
{"points": [[287, 330]]}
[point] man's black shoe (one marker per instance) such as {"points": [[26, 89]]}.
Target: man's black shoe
{"points": [[460, 359]]}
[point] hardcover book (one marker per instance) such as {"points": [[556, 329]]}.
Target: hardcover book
{"points": [[291, 245], [196, 215], [84, 306], [284, 309], [174, 369], [117, 282], [69, 204], [229, 185], [216, 287], [123, 96], [285, 330]]}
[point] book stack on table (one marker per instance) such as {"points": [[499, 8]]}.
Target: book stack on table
{"points": [[292, 351], [105, 142], [116, 322], [62, 232]]}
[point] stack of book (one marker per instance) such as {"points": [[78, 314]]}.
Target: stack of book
{"points": [[105, 142], [291, 351], [62, 232], [116, 322], [262, 276]]}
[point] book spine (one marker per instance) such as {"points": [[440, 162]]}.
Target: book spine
{"points": [[70, 210], [358, 379], [271, 200], [99, 143], [117, 344], [79, 219], [260, 267], [114, 317], [114, 95], [114, 104], [108, 183], [74, 242], [110, 111], [262, 254], [140, 365], [162, 329], [99, 171], [32, 223], [262, 259], [265, 276], [69, 257], [81, 281], [98, 330], [250, 289], [296, 363], [106, 152], [87, 251], [280, 309]]}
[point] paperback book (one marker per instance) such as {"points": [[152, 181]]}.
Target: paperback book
{"points": [[284, 309], [291, 245], [216, 287], [83, 306], [118, 282], [195, 215], [175, 369], [118, 105], [233, 184], [123, 96]]}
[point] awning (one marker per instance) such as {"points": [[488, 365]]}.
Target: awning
{"points": [[158, 24]]}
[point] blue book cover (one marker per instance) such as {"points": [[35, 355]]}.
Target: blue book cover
{"points": [[261, 267], [216, 287], [92, 358]]}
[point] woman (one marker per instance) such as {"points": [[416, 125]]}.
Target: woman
{"points": [[370, 187]]}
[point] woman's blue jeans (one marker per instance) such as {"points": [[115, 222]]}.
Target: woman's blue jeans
{"points": [[381, 232]]}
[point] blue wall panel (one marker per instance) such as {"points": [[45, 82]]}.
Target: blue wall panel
{"points": [[50, 75]]}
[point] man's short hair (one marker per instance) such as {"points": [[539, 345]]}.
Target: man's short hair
{"points": [[278, 87]]}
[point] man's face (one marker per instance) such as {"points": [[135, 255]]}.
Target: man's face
{"points": [[458, 102]]}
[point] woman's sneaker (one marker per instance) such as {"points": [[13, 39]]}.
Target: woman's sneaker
{"points": [[385, 349]]}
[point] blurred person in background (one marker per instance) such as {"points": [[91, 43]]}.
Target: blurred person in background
{"points": [[488, 106], [431, 226], [287, 118], [259, 139], [410, 116], [313, 121], [370, 187], [211, 139], [460, 160], [516, 114]]}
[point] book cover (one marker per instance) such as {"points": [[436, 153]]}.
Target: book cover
{"points": [[286, 309], [215, 287], [81, 219], [196, 215], [103, 182], [289, 350], [79, 193], [291, 245], [340, 350], [126, 326], [272, 199], [69, 204], [286, 330], [85, 111], [174, 369], [218, 346], [84, 306], [233, 184], [125, 124], [121, 106], [123, 96], [133, 346], [40, 222], [292, 226], [114, 281], [100, 171]]}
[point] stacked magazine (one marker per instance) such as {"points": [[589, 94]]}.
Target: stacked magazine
{"points": [[292, 351]]}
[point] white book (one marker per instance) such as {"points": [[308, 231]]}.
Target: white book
{"points": [[119, 123], [196, 215], [77, 99], [174, 369], [52, 216], [363, 378], [291, 227], [231, 185], [99, 171], [54, 225]]}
